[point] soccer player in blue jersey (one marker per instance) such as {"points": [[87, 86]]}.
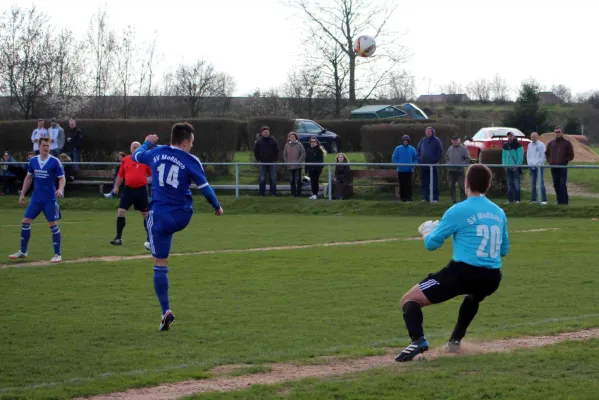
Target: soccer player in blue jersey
{"points": [[43, 170], [173, 170], [480, 240]]}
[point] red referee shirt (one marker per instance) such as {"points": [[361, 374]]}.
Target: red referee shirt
{"points": [[134, 173]]}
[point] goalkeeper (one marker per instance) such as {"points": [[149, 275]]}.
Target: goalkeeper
{"points": [[480, 240]]}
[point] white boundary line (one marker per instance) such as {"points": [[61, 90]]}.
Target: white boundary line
{"points": [[230, 251]]}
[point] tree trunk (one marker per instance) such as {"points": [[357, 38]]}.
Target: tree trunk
{"points": [[352, 79]]}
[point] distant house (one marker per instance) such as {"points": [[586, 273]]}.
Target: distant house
{"points": [[378, 111], [548, 98], [443, 98]]}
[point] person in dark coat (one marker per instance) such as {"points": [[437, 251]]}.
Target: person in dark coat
{"points": [[430, 151], [342, 177], [315, 154], [266, 151]]}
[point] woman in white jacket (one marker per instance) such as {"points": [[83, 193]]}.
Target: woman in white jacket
{"points": [[535, 158]]}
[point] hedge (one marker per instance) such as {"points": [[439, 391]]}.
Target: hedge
{"points": [[379, 142], [215, 139]]}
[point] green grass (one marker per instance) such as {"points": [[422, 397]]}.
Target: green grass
{"points": [[563, 371], [83, 328]]}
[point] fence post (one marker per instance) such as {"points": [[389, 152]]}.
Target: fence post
{"points": [[430, 186], [237, 181], [330, 186]]}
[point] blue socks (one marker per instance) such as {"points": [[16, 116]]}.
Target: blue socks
{"points": [[25, 235], [55, 238], [146, 228], [161, 287]]}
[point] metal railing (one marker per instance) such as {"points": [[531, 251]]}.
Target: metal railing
{"points": [[330, 168]]}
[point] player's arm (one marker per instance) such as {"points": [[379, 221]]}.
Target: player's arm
{"points": [[447, 226], [61, 179], [197, 174], [505, 240], [26, 185], [143, 154]]}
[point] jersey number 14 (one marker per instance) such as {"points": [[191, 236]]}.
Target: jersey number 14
{"points": [[494, 246], [172, 178]]}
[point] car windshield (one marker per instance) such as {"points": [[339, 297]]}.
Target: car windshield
{"points": [[503, 132]]}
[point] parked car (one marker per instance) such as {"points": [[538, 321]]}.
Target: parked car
{"points": [[491, 139], [306, 128]]}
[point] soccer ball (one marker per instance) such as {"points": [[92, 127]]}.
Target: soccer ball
{"points": [[364, 46]]}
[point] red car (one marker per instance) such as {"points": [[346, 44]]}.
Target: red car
{"points": [[492, 138]]}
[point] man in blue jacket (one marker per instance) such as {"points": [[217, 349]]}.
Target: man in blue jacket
{"points": [[430, 151], [405, 154]]}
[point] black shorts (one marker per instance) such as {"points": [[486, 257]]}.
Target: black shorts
{"points": [[137, 198], [459, 278]]}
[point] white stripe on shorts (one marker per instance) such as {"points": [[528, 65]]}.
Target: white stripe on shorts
{"points": [[428, 284]]}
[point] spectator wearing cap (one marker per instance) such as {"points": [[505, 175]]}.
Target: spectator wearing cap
{"points": [[56, 134], [457, 154], [430, 151], [405, 154], [38, 133], [512, 156], [266, 151]]}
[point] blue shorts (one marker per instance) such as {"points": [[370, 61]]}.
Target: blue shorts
{"points": [[162, 225], [50, 209]]}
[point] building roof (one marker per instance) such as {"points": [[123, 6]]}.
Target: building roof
{"points": [[374, 108]]}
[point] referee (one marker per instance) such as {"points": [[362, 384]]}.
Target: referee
{"points": [[135, 194]]}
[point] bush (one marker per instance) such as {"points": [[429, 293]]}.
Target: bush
{"points": [[349, 131], [215, 139]]}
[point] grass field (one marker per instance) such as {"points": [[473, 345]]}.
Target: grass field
{"points": [[83, 328]]}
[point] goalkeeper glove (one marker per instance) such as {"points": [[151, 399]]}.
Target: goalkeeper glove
{"points": [[427, 227]]}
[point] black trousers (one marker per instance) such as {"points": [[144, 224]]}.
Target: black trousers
{"points": [[314, 175], [405, 185], [295, 180]]}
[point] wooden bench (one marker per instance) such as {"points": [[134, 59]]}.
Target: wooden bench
{"points": [[382, 177]]}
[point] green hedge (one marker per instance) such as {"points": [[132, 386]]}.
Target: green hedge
{"points": [[215, 139], [349, 131]]}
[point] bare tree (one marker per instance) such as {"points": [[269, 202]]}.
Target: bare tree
{"points": [[126, 53], [303, 88], [102, 45], [197, 83], [500, 89], [343, 20], [563, 93], [480, 90], [398, 87], [454, 92], [25, 57]]}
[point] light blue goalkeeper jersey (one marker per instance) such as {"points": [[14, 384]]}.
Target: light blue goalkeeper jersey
{"points": [[479, 229]]}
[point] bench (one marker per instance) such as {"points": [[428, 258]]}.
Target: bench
{"points": [[382, 177]]}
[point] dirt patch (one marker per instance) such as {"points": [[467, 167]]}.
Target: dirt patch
{"points": [[287, 372], [582, 152], [227, 251]]}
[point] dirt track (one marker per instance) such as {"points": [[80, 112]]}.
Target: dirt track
{"points": [[334, 367]]}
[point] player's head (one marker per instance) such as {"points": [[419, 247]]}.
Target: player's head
{"points": [[478, 179], [182, 136], [44, 146], [134, 146]]}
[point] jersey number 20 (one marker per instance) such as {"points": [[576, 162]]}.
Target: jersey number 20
{"points": [[172, 178], [495, 245]]}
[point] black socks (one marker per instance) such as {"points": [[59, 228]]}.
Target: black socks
{"points": [[412, 315]]}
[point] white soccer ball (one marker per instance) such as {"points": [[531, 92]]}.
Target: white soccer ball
{"points": [[364, 46]]}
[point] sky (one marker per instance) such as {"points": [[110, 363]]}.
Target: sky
{"points": [[259, 41]]}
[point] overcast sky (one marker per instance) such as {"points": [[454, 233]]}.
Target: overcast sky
{"points": [[258, 41]]}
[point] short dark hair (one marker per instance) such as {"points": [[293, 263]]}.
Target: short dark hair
{"points": [[559, 127], [479, 178], [44, 139], [181, 131]]}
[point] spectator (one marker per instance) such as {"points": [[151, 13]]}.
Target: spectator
{"points": [[430, 151], [405, 154], [56, 134], [342, 178], [68, 169], [457, 154], [38, 133], [266, 151], [315, 154], [560, 152], [120, 158], [21, 172], [73, 144], [512, 155], [535, 158], [294, 152], [7, 175]]}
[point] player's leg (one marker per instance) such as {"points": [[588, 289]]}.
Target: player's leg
{"points": [[31, 212], [145, 221], [141, 204], [434, 289], [52, 213], [482, 282]]}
